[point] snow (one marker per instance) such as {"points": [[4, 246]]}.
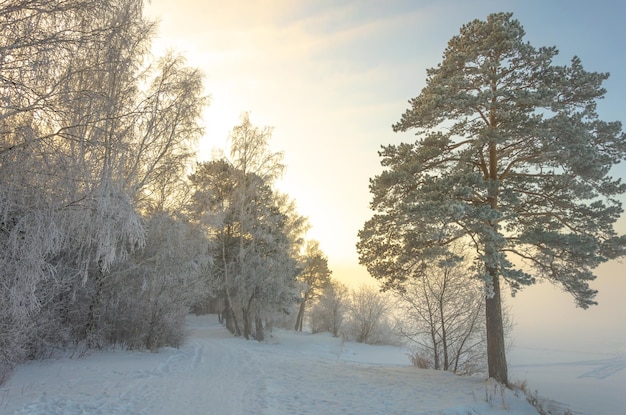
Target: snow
{"points": [[570, 355], [216, 373], [586, 382]]}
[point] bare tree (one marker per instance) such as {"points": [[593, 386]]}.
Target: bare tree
{"points": [[369, 316], [442, 315], [328, 312]]}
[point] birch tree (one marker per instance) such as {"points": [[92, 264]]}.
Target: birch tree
{"points": [[265, 273], [166, 131], [442, 315], [511, 156], [89, 132], [255, 231]]}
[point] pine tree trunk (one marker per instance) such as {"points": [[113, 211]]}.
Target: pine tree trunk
{"points": [[496, 356], [496, 353]]}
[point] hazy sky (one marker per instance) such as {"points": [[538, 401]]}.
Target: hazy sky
{"points": [[332, 76]]}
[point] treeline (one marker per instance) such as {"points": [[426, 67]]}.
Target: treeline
{"points": [[94, 138], [105, 237]]}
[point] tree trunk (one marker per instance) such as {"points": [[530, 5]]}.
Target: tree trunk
{"points": [[246, 323], [301, 313], [258, 322], [433, 338], [91, 325], [496, 356], [229, 317], [298, 326], [247, 327], [444, 324]]}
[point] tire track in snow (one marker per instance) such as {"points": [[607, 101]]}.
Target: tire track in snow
{"points": [[607, 368]]}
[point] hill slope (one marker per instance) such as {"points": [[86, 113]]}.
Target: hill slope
{"points": [[215, 373]]}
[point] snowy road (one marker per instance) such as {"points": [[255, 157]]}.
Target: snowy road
{"points": [[215, 373]]}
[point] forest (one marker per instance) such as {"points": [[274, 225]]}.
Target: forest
{"points": [[110, 231]]}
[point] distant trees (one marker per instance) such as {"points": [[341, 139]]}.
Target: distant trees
{"points": [[93, 138], [363, 314], [368, 319], [329, 311], [512, 158], [314, 277], [255, 233]]}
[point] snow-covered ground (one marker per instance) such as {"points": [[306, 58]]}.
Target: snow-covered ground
{"points": [[570, 355], [590, 383], [215, 373]]}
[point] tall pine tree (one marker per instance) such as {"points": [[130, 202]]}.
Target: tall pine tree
{"points": [[511, 156]]}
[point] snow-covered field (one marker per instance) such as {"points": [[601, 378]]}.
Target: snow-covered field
{"points": [[590, 383], [215, 373], [571, 355]]}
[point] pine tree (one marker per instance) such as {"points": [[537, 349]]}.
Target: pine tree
{"points": [[511, 156]]}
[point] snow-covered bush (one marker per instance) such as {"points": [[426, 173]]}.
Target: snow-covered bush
{"points": [[368, 318], [152, 292]]}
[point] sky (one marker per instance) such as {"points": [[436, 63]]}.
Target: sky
{"points": [[332, 76]]}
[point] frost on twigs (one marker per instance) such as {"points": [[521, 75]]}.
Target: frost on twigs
{"points": [[94, 140]]}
